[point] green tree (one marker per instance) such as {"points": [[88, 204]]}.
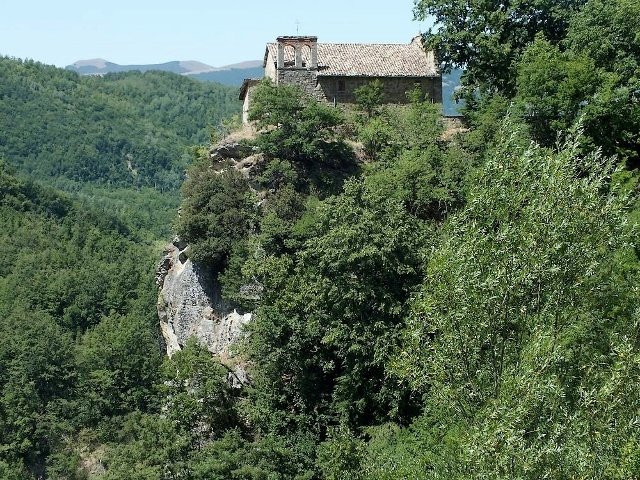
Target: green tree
{"points": [[487, 38], [369, 97], [117, 363], [36, 378], [523, 328], [553, 89], [297, 128], [606, 33], [216, 214], [331, 312], [147, 447], [197, 395]]}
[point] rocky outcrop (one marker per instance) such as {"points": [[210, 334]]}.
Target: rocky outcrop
{"points": [[230, 150], [243, 157], [190, 305]]}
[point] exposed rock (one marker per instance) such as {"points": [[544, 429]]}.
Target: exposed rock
{"points": [[163, 269], [179, 243], [238, 377], [247, 166], [92, 463], [183, 256], [251, 161], [228, 150], [190, 305]]}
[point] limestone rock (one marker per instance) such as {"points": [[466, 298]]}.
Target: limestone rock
{"points": [[190, 305], [229, 150], [248, 166]]}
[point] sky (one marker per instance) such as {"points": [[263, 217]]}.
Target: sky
{"points": [[218, 33]]}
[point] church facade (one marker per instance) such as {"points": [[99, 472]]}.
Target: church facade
{"points": [[331, 72]]}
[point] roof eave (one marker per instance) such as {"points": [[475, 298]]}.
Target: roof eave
{"points": [[365, 75]]}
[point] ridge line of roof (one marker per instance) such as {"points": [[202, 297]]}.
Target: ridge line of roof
{"points": [[353, 43]]}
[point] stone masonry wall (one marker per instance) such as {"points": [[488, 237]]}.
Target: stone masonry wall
{"points": [[395, 89], [306, 80], [328, 88]]}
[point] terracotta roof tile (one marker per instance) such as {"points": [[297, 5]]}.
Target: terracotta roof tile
{"points": [[367, 60]]}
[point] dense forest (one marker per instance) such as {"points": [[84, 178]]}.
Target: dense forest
{"points": [[90, 170], [120, 141], [126, 129], [434, 304]]}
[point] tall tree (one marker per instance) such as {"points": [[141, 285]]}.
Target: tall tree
{"points": [[487, 37]]}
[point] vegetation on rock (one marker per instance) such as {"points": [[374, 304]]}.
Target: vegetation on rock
{"points": [[427, 306]]}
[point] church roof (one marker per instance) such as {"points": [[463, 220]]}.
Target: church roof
{"points": [[366, 60]]}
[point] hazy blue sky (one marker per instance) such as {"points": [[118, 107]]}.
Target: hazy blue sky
{"points": [[215, 32]]}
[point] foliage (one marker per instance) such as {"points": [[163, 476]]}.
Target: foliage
{"points": [[278, 173], [217, 213], [369, 97], [529, 302], [198, 397], [487, 38], [297, 128], [79, 338], [117, 364], [331, 312], [147, 447], [127, 129], [377, 136], [558, 62], [553, 87], [418, 169], [232, 457], [605, 32]]}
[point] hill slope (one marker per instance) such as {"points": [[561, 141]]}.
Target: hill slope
{"points": [[126, 129], [73, 278]]}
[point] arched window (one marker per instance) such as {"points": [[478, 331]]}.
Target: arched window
{"points": [[306, 56], [289, 55]]}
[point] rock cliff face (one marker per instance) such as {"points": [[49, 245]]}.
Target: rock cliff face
{"points": [[190, 305]]}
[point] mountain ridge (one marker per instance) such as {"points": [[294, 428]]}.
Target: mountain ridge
{"points": [[100, 66]]}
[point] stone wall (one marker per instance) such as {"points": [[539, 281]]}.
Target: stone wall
{"points": [[305, 80], [340, 90], [270, 68], [251, 88]]}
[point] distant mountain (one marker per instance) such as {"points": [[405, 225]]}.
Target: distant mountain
{"points": [[231, 76], [99, 66], [227, 75]]}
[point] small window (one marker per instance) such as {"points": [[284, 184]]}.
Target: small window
{"points": [[342, 86]]}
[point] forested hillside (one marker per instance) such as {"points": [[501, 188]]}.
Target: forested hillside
{"points": [[427, 304], [81, 346], [80, 341], [128, 129], [121, 142]]}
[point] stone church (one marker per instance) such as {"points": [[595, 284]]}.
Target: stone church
{"points": [[331, 72]]}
